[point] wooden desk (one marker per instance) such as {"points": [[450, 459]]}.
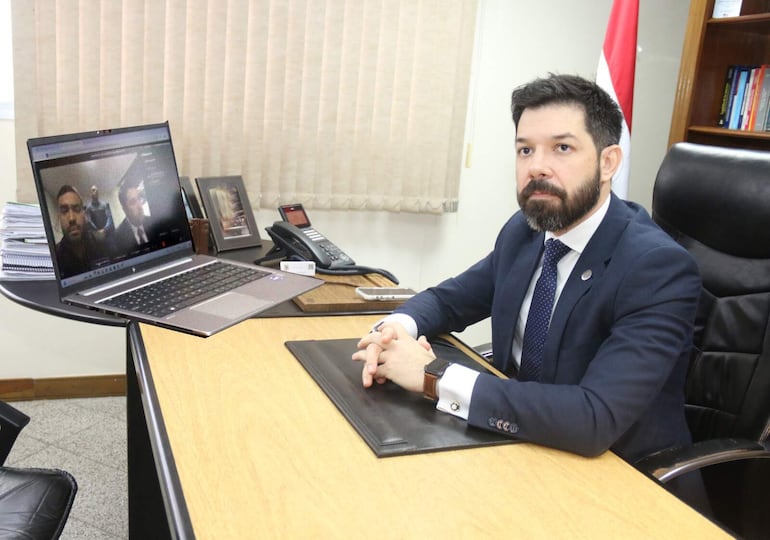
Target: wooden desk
{"points": [[248, 446]]}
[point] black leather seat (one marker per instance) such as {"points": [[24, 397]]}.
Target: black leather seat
{"points": [[716, 203], [34, 503]]}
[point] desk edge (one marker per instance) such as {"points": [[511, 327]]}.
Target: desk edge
{"points": [[171, 487]]}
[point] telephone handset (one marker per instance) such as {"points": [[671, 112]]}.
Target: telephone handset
{"points": [[309, 244], [298, 238]]}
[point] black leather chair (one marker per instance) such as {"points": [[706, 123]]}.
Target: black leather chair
{"points": [[34, 503], [716, 203]]}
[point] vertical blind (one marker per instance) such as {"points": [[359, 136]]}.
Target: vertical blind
{"points": [[356, 104]]}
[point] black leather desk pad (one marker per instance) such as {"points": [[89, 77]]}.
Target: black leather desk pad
{"points": [[390, 419]]}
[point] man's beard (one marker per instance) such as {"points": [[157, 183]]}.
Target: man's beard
{"points": [[74, 232], [557, 216]]}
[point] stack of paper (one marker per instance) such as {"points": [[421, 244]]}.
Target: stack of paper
{"points": [[24, 252]]}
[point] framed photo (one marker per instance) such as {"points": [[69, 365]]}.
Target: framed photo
{"points": [[190, 196], [228, 210]]}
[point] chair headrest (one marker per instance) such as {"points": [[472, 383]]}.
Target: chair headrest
{"points": [[718, 196]]}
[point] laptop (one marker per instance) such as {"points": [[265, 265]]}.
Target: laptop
{"points": [[120, 238]]}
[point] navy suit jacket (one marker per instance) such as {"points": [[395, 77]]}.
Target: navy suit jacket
{"points": [[617, 349], [124, 239]]}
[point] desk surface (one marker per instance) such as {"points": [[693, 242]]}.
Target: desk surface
{"points": [[258, 447]]}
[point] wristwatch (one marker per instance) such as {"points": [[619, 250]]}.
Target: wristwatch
{"points": [[433, 372]]}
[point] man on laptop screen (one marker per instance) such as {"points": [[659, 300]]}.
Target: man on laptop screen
{"points": [[77, 251]]}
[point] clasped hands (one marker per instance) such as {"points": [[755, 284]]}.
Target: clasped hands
{"points": [[390, 353]]}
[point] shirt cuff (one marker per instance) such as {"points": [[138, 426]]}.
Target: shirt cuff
{"points": [[455, 388], [403, 319]]}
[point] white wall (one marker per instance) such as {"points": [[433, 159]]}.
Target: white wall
{"points": [[518, 40]]}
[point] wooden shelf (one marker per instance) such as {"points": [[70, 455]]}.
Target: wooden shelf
{"points": [[710, 46], [742, 20], [722, 132]]}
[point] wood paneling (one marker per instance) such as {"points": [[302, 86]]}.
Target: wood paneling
{"points": [[62, 387]]}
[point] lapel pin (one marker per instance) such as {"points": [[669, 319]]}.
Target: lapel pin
{"points": [[585, 276]]}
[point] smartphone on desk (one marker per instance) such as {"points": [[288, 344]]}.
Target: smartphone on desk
{"points": [[385, 293]]}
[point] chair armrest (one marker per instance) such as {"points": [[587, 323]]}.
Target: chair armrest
{"points": [[12, 421], [672, 462]]}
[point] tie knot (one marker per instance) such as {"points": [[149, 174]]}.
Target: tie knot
{"points": [[554, 251]]}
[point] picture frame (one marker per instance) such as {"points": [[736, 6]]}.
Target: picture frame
{"points": [[229, 212], [190, 196]]}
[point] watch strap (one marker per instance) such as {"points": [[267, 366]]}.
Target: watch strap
{"points": [[433, 372], [430, 386]]}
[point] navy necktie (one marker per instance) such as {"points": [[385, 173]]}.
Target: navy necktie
{"points": [[539, 316]]}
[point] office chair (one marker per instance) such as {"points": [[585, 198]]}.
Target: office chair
{"points": [[716, 203], [34, 503]]}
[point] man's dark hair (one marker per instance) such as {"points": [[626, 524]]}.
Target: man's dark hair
{"points": [[66, 188], [131, 180], [128, 182], [604, 121]]}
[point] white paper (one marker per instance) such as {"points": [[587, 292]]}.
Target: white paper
{"points": [[727, 8]]}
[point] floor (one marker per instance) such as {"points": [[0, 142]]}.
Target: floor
{"points": [[87, 438]]}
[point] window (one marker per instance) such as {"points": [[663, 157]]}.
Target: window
{"points": [[332, 103]]}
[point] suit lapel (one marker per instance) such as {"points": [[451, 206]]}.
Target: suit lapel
{"points": [[515, 287], [589, 269]]}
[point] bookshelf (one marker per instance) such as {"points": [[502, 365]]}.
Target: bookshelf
{"points": [[710, 46]]}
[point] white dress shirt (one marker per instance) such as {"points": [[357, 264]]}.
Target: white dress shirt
{"points": [[139, 235]]}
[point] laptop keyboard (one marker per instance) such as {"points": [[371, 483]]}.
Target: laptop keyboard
{"points": [[185, 289]]}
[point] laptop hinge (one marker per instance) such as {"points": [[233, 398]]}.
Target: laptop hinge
{"points": [[129, 279]]}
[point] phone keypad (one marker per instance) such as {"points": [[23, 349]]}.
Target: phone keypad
{"points": [[335, 253]]}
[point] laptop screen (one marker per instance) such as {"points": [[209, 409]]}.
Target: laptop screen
{"points": [[111, 201]]}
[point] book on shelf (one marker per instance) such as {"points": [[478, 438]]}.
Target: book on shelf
{"points": [[745, 103], [724, 109], [749, 103], [735, 74], [24, 253], [736, 108], [763, 102], [767, 120], [756, 82]]}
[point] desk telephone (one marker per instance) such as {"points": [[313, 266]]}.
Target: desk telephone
{"points": [[300, 240]]}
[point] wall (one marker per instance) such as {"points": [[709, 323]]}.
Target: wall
{"points": [[518, 41]]}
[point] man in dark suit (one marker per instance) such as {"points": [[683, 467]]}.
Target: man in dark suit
{"points": [[611, 371], [134, 232]]}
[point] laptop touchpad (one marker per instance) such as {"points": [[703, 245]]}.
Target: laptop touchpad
{"points": [[231, 305]]}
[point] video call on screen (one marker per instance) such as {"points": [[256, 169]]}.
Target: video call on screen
{"points": [[156, 200]]}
